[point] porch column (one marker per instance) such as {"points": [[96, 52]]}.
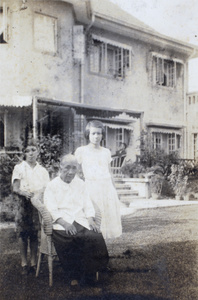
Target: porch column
{"points": [[35, 116]]}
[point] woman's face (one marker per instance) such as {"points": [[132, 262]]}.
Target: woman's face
{"points": [[31, 154], [95, 135]]}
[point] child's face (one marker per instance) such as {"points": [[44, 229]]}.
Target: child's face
{"points": [[95, 135], [31, 154]]}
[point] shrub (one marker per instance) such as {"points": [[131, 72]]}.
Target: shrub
{"points": [[50, 153], [178, 179], [6, 168], [151, 157], [8, 209], [156, 183], [132, 169], [155, 173]]}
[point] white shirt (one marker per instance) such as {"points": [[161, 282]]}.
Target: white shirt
{"points": [[31, 179], [68, 201]]}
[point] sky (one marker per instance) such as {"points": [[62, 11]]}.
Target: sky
{"points": [[175, 18]]}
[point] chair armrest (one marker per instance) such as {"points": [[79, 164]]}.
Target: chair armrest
{"points": [[46, 218]]}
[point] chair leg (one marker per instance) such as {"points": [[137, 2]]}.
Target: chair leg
{"points": [[97, 276], [50, 266], [38, 264], [50, 260]]}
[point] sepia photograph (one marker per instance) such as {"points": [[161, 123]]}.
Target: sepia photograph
{"points": [[98, 150]]}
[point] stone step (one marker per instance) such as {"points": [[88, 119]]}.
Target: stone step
{"points": [[127, 192], [119, 181], [132, 198], [122, 186]]}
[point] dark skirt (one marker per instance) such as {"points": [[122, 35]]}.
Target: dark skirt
{"points": [[26, 218], [80, 254]]}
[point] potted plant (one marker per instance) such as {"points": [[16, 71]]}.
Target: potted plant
{"points": [[156, 181], [178, 180]]}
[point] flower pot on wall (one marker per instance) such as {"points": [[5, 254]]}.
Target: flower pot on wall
{"points": [[155, 196], [178, 197], [187, 197]]}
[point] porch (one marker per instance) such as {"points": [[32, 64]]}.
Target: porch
{"points": [[44, 117]]}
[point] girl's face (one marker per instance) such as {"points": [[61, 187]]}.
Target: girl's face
{"points": [[95, 135], [31, 154]]}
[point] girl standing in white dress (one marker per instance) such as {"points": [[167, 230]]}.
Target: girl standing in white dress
{"points": [[95, 161]]}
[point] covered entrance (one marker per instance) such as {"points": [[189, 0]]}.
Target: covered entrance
{"points": [[69, 120], [41, 117]]}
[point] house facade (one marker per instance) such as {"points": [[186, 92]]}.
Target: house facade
{"points": [[192, 128], [64, 63]]}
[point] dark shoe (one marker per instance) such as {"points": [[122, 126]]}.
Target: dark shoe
{"points": [[89, 280], [32, 270], [24, 271], [74, 286]]}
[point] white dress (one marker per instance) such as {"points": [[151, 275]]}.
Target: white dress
{"points": [[95, 166]]}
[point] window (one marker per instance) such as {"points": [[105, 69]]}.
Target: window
{"points": [[4, 24], [78, 134], [164, 72], [168, 142], [108, 59], [171, 142], [45, 33], [157, 141], [119, 137]]}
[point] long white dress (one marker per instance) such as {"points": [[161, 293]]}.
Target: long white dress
{"points": [[95, 166]]}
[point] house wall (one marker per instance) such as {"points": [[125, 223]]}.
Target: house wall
{"points": [[136, 92], [192, 125], [31, 71]]}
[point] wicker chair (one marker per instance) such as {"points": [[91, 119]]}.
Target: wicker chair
{"points": [[46, 244]]}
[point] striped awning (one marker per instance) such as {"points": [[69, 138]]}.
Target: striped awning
{"points": [[90, 110], [16, 101], [165, 130], [111, 42], [118, 126]]}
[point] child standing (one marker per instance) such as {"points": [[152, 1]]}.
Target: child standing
{"points": [[29, 180], [95, 161]]}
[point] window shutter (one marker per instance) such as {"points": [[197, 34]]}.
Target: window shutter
{"points": [[150, 68], [5, 22], [175, 74], [94, 59], [78, 43], [158, 77], [103, 58]]}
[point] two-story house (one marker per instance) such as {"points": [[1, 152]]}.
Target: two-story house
{"points": [[66, 62], [192, 125]]}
